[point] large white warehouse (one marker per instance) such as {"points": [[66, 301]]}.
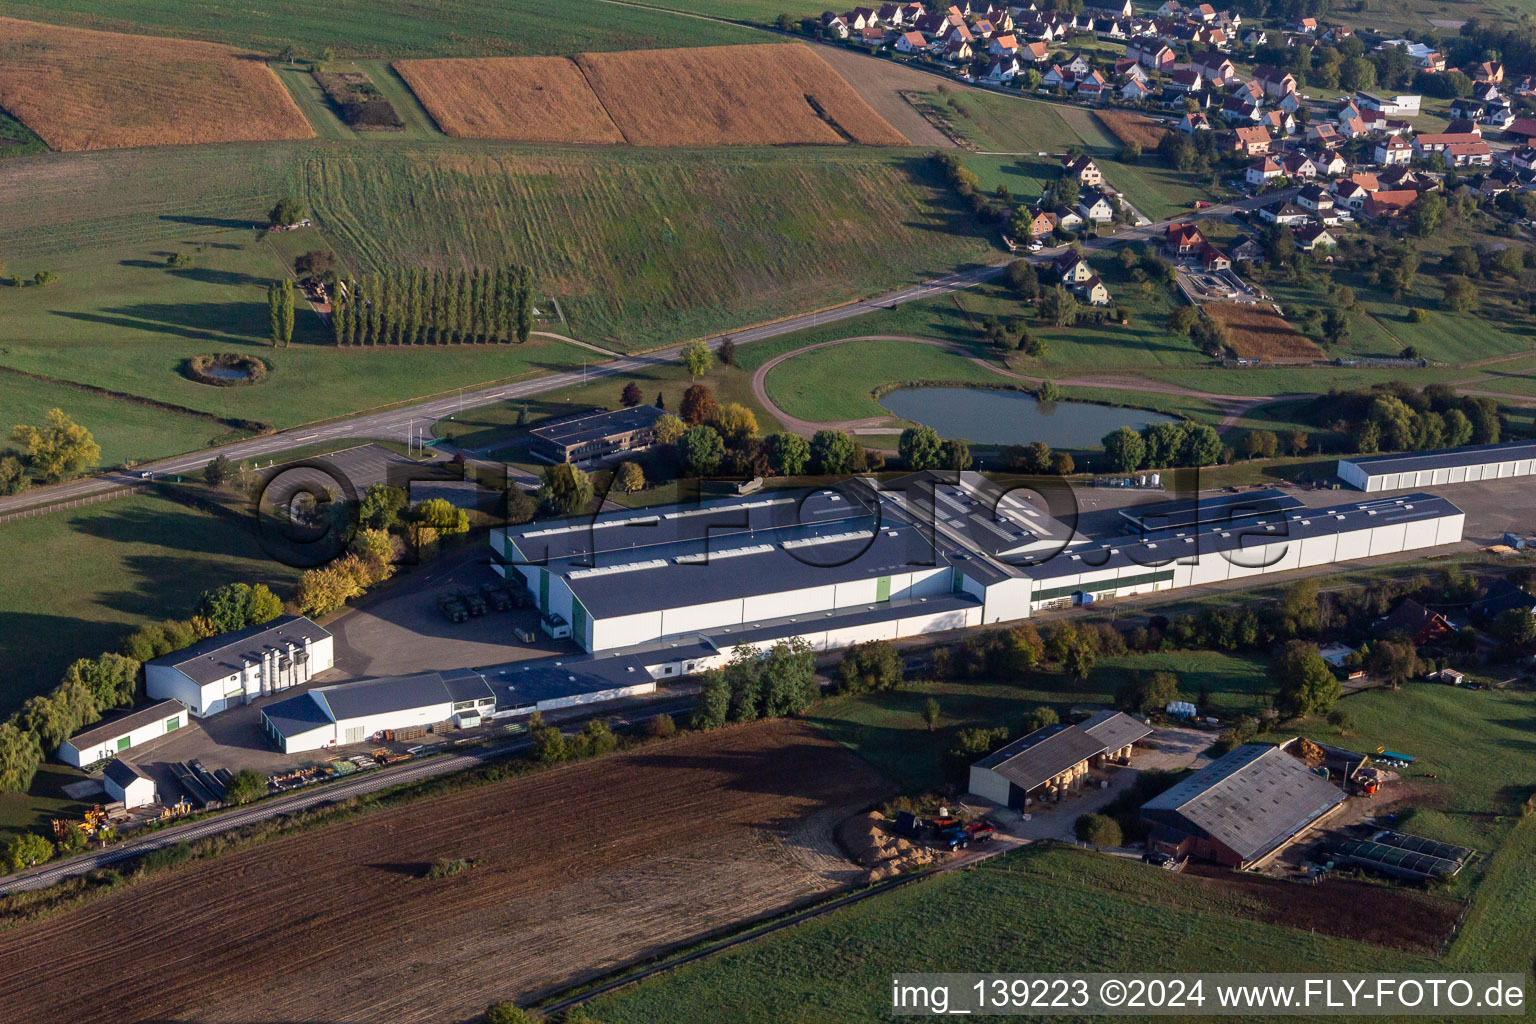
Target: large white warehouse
{"points": [[231, 669], [1450, 466], [862, 564]]}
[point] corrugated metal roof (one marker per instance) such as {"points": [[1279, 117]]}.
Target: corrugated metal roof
{"points": [[1250, 801], [1035, 759], [1115, 729], [296, 716], [1468, 455], [1164, 547]]}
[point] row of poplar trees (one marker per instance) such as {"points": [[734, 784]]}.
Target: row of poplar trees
{"points": [[434, 307]]}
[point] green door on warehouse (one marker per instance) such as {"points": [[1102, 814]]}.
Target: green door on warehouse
{"points": [[883, 589], [543, 592]]}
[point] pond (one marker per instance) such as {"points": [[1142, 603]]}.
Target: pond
{"points": [[227, 372], [988, 416]]}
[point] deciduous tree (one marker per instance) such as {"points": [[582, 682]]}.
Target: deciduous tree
{"points": [[59, 449]]}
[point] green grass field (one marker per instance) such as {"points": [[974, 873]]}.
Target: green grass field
{"points": [[999, 124], [837, 383], [643, 248], [1154, 188], [1011, 124], [398, 28], [16, 139], [1380, 326], [1050, 908], [1042, 909], [887, 729], [84, 578], [121, 320], [125, 430]]}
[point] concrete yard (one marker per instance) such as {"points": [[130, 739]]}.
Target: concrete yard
{"points": [[402, 631]]}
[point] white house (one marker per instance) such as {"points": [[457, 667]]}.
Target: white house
{"points": [[112, 736], [1394, 150], [1391, 106], [236, 668], [1096, 206], [128, 783]]}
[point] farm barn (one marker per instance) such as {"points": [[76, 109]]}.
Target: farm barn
{"points": [[113, 735], [235, 668], [1450, 466], [1240, 808], [1053, 761], [353, 712], [861, 564]]}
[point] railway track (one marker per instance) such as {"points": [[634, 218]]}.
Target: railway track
{"points": [[360, 785]]}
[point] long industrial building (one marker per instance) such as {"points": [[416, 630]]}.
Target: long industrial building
{"points": [[860, 563], [1431, 469], [118, 733], [346, 713]]}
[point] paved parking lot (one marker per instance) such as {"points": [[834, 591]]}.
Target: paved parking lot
{"points": [[404, 632]]}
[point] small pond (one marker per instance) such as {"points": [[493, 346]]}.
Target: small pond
{"points": [[227, 372], [988, 416]]}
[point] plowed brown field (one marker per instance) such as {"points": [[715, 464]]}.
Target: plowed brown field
{"points": [[732, 95], [576, 870], [82, 89], [528, 99], [1258, 332]]}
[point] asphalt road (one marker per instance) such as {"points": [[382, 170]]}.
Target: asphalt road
{"points": [[417, 418], [366, 782]]}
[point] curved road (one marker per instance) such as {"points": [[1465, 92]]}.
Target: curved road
{"points": [[1233, 407]]}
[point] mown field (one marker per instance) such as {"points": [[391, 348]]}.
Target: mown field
{"points": [[84, 578], [887, 728], [121, 320], [1013, 125], [1007, 124], [1055, 909], [835, 383], [125, 430], [395, 28], [1042, 909], [642, 248]]}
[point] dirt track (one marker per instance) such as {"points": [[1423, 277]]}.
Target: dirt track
{"points": [[575, 871]]}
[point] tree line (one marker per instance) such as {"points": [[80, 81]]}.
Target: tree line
{"points": [[92, 686], [420, 306]]}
